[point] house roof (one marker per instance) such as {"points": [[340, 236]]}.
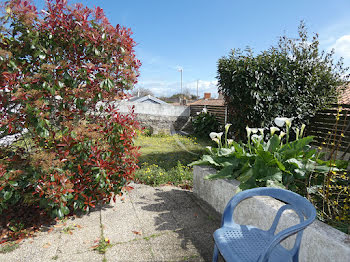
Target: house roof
{"points": [[209, 102], [344, 98], [146, 99]]}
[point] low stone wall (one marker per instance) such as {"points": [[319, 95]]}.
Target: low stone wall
{"points": [[164, 124], [160, 117], [320, 242]]}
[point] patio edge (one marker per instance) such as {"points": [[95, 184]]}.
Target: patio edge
{"points": [[320, 242]]}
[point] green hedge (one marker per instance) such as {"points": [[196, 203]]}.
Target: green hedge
{"points": [[293, 79]]}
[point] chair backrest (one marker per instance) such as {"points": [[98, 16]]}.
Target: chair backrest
{"points": [[298, 203], [293, 201]]}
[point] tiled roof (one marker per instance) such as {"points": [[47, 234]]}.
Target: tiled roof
{"points": [[345, 96], [209, 102]]}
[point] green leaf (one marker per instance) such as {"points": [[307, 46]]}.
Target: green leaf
{"points": [[226, 151], [13, 183], [60, 213], [73, 135], [299, 173], [65, 210], [274, 183], [280, 165], [206, 159], [7, 195], [244, 177], [273, 144], [342, 164], [295, 162], [44, 132], [60, 84], [226, 172], [238, 149], [266, 156]]}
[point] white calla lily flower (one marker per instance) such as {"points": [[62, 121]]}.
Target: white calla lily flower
{"points": [[289, 122], [219, 135], [297, 132], [230, 142], [282, 134], [216, 140], [254, 130], [302, 130], [213, 135], [280, 121], [255, 137], [261, 130], [227, 126], [273, 130], [249, 131]]}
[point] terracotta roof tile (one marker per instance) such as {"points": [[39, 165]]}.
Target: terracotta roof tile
{"points": [[345, 96]]}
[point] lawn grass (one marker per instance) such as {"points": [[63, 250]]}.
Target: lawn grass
{"points": [[164, 159], [167, 150]]}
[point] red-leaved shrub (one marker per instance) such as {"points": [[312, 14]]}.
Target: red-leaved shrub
{"points": [[55, 65]]}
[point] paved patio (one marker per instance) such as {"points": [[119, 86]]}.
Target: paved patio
{"points": [[148, 224]]}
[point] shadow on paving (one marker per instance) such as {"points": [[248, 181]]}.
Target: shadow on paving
{"points": [[190, 218]]}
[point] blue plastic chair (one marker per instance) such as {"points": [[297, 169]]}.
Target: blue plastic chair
{"points": [[247, 243]]}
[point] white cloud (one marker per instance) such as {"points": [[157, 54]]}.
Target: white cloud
{"points": [[203, 87], [342, 46]]}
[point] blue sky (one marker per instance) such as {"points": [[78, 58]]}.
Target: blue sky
{"points": [[194, 34]]}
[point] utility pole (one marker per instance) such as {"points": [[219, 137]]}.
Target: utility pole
{"points": [[181, 82], [180, 69]]}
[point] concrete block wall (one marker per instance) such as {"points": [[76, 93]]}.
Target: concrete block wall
{"points": [[160, 117], [320, 242]]}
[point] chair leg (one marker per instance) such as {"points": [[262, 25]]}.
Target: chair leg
{"points": [[296, 256], [216, 253]]}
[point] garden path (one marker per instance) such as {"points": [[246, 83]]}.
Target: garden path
{"points": [[147, 224]]}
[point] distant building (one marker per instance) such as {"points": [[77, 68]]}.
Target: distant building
{"points": [[146, 99], [208, 101]]}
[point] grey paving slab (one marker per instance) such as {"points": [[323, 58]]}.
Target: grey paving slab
{"points": [[195, 219], [132, 251], [174, 247], [147, 224], [90, 256], [42, 248]]}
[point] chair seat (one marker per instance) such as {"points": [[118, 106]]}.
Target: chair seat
{"points": [[246, 243]]}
